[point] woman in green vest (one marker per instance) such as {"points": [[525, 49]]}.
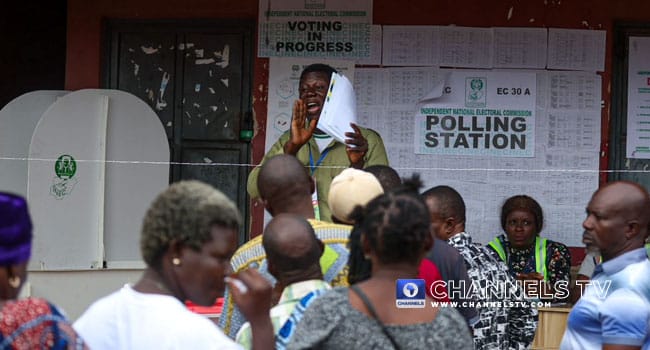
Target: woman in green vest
{"points": [[530, 257]]}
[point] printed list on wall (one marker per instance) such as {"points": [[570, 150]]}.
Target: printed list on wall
{"points": [[490, 134], [548, 149]]}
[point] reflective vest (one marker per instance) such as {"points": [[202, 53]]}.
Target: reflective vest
{"points": [[647, 249], [540, 254]]}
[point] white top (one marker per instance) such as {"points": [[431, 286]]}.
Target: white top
{"points": [[128, 319], [589, 264], [323, 141]]}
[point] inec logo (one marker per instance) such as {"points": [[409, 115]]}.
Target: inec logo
{"points": [[65, 169], [410, 293], [475, 95]]}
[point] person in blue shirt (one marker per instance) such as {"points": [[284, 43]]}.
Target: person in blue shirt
{"points": [[614, 311]]}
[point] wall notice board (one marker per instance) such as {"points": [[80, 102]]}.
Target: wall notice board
{"points": [[561, 174], [557, 129], [629, 130]]}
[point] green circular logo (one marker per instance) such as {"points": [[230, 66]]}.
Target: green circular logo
{"points": [[476, 84], [65, 167]]}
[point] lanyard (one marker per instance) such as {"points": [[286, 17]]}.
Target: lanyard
{"points": [[319, 161]]}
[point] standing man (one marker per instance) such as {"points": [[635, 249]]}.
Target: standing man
{"points": [[325, 156], [614, 311]]}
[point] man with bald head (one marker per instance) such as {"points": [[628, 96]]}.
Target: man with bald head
{"points": [[285, 187], [614, 311], [292, 253]]}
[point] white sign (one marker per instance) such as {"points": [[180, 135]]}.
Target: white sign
{"points": [[479, 113], [638, 99], [315, 28]]}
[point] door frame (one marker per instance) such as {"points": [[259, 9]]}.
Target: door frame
{"points": [[244, 27]]}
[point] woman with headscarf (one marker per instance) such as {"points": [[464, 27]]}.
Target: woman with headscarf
{"points": [[395, 237], [188, 236], [30, 323], [529, 257]]}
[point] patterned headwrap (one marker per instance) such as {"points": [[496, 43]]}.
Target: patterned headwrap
{"points": [[15, 230]]}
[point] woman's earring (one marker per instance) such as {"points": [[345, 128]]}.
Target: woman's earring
{"points": [[14, 282], [176, 261]]}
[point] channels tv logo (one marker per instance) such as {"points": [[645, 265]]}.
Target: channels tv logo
{"points": [[410, 293]]}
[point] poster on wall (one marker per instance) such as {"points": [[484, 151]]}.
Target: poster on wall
{"points": [[479, 113], [638, 99], [315, 28]]}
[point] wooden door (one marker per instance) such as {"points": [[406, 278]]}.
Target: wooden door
{"points": [[196, 75]]}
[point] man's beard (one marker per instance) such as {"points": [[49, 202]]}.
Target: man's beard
{"points": [[593, 249]]}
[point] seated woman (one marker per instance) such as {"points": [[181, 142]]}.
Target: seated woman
{"points": [[189, 234], [395, 237], [30, 323], [530, 257]]}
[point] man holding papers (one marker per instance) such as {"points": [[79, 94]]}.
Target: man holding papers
{"points": [[324, 134]]}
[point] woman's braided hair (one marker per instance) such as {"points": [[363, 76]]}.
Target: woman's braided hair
{"points": [[396, 224]]}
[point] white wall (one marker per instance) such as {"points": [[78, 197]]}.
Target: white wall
{"points": [[74, 291]]}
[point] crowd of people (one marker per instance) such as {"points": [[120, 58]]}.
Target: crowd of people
{"points": [[324, 273]]}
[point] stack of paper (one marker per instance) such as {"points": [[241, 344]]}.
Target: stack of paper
{"points": [[340, 108]]}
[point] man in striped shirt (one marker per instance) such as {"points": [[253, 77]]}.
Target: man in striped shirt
{"points": [[292, 253], [286, 187]]}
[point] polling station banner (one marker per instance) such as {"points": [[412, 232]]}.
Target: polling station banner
{"points": [[481, 113], [314, 28]]}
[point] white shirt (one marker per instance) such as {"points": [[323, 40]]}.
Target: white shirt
{"points": [[589, 264], [323, 141], [128, 319]]}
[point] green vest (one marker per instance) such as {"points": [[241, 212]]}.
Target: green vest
{"points": [[540, 254]]}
